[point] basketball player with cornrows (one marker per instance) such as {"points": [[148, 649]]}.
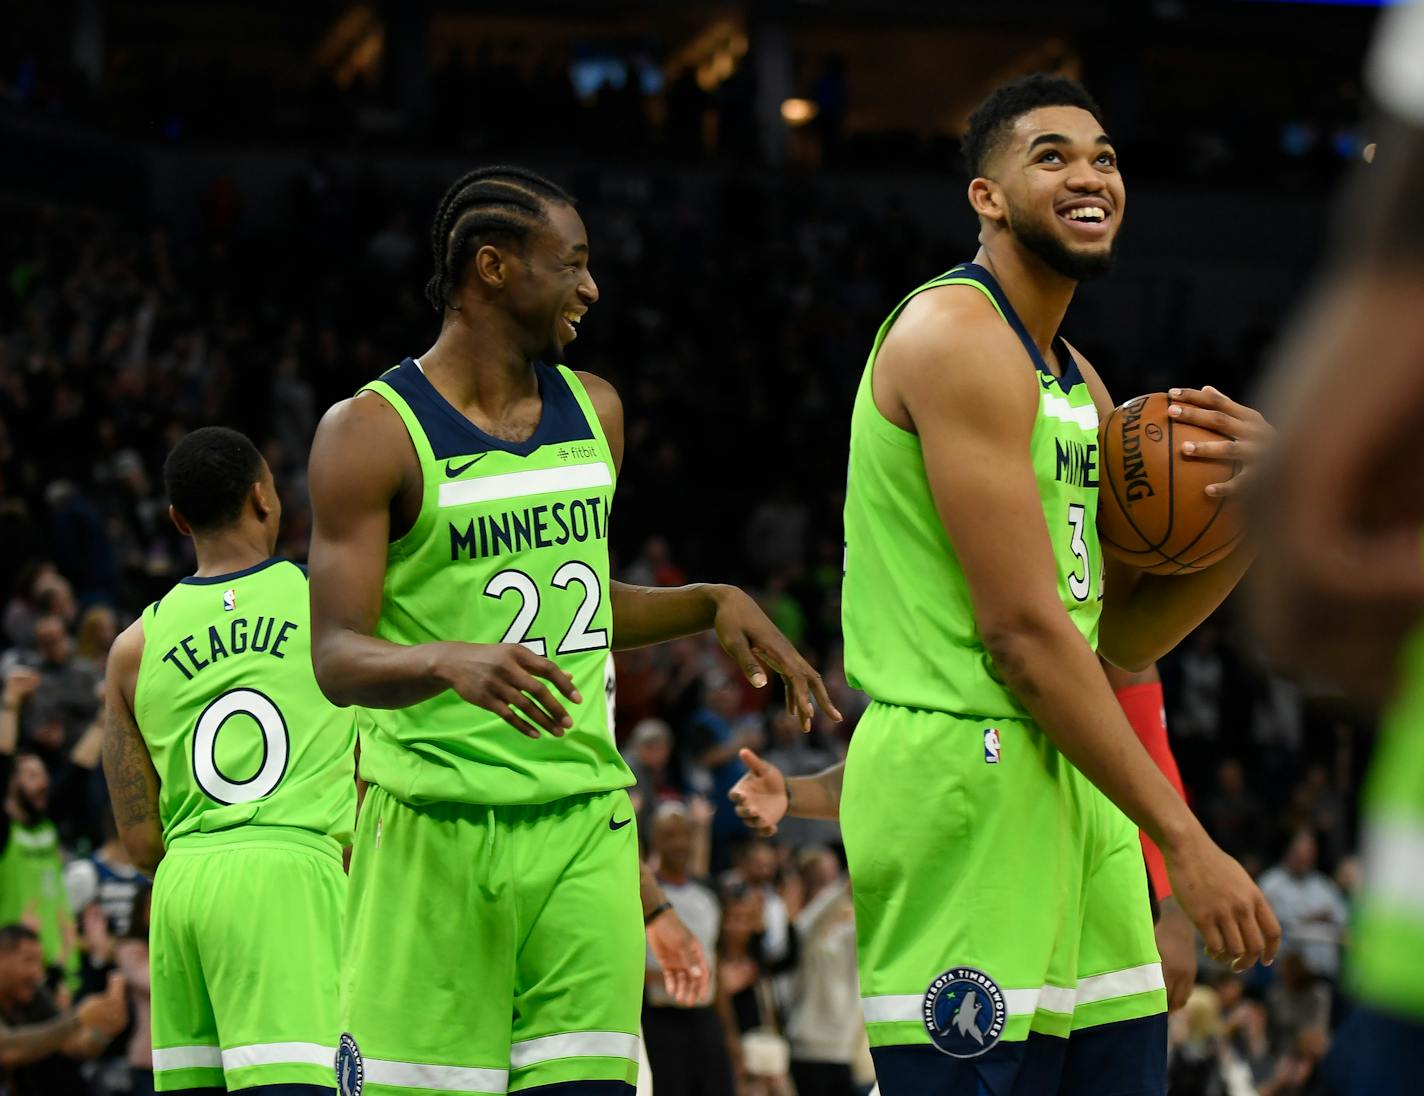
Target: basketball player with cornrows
{"points": [[1004, 935]]}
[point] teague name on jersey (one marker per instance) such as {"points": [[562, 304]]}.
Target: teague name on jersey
{"points": [[234, 637], [543, 526]]}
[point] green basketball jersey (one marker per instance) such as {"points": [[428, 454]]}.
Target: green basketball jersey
{"points": [[230, 709], [1387, 968], [510, 546], [910, 634], [32, 884]]}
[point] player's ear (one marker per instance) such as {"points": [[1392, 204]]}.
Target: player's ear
{"points": [[178, 523], [986, 199], [491, 266], [263, 501]]}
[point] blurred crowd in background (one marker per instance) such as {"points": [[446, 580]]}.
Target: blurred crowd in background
{"points": [[735, 330], [735, 338]]}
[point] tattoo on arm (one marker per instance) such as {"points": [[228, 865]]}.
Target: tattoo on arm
{"points": [[133, 785]]}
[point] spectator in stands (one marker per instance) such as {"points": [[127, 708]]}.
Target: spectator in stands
{"points": [[688, 1048], [1202, 1062], [1233, 814], [823, 1020], [1309, 905], [648, 755], [31, 888], [1295, 1002], [711, 746], [34, 586], [97, 628], [49, 1067], [796, 753], [68, 689], [758, 868], [132, 957], [762, 1056], [106, 879]]}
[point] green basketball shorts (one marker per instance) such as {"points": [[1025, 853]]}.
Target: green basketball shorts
{"points": [[244, 946], [997, 891], [491, 949]]}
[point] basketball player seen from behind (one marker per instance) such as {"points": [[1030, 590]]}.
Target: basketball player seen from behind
{"points": [[993, 784], [462, 600], [233, 776], [1341, 596]]}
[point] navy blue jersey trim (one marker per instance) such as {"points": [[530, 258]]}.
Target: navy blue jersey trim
{"points": [[1071, 373], [451, 434], [210, 580]]}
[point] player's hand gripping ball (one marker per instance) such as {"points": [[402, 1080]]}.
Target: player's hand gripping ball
{"points": [[1172, 466]]}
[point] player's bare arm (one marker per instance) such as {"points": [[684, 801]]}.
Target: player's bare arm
{"points": [[1342, 582], [955, 372], [133, 782], [644, 615], [766, 795], [363, 472], [1145, 616], [678, 952]]}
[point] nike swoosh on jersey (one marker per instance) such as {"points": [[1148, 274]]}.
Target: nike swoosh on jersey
{"points": [[614, 824], [450, 470]]}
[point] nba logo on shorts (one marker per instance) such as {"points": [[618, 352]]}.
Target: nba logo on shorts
{"points": [[964, 1012], [229, 600], [350, 1072], [991, 746]]}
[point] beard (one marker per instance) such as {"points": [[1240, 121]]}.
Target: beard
{"points": [[1040, 239]]}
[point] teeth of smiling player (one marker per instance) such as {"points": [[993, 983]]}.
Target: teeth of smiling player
{"points": [[1086, 213]]}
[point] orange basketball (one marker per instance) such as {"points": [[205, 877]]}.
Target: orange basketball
{"points": [[1153, 509]]}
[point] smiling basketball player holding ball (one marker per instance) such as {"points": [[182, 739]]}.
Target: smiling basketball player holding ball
{"points": [[992, 787]]}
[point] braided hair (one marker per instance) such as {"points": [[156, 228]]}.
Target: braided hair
{"points": [[490, 202]]}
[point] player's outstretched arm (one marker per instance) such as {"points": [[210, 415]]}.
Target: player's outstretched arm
{"points": [[362, 467], [766, 795], [960, 378], [128, 768], [644, 615], [1342, 577]]}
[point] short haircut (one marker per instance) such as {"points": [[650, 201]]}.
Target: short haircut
{"points": [[208, 475], [491, 203], [12, 936], [1006, 104]]}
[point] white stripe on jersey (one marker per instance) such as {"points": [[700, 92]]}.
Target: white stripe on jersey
{"points": [[537, 481]]}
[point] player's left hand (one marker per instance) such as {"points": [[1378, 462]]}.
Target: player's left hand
{"points": [[748, 635], [679, 953], [1177, 944], [1248, 434]]}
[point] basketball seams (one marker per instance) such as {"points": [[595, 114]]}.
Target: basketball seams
{"points": [[1150, 556]]}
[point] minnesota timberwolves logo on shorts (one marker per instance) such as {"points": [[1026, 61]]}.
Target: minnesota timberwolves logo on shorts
{"points": [[964, 1012], [350, 1073]]}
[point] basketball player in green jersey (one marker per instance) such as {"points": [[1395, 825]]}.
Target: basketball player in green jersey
{"points": [[1341, 591], [461, 598], [991, 789], [234, 777]]}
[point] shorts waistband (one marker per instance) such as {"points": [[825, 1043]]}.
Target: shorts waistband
{"points": [[270, 836], [979, 719]]}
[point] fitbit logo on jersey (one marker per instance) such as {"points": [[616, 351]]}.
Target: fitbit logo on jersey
{"points": [[543, 526], [964, 1012], [1134, 468]]}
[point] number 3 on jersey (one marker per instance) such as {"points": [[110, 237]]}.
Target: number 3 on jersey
{"points": [[577, 637], [1079, 585]]}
